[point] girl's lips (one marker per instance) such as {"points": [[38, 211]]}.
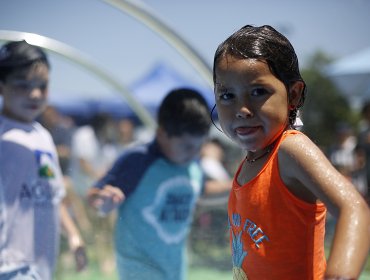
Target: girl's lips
{"points": [[246, 130]]}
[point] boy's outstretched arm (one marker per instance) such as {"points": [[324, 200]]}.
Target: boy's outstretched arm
{"points": [[217, 186], [106, 199]]}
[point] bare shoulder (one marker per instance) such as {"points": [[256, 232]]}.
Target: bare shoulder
{"points": [[309, 174], [300, 148], [300, 162], [296, 143]]}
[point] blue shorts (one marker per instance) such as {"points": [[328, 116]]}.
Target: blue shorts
{"points": [[25, 273]]}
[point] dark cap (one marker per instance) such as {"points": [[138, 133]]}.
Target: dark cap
{"points": [[20, 53]]}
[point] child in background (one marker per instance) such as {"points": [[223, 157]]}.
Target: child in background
{"points": [[159, 183], [282, 188], [31, 186], [212, 160]]}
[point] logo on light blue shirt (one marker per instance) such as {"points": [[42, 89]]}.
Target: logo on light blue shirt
{"points": [[171, 210]]}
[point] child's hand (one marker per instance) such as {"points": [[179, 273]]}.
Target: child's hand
{"points": [[80, 258], [77, 246], [106, 199]]}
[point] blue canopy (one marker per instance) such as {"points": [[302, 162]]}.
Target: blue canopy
{"points": [[148, 90], [160, 80]]}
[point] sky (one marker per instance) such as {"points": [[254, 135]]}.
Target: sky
{"points": [[127, 49]]}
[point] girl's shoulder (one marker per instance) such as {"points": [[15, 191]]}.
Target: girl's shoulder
{"points": [[294, 141], [302, 162], [298, 150]]}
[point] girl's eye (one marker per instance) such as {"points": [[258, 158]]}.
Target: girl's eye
{"points": [[226, 96], [258, 92]]}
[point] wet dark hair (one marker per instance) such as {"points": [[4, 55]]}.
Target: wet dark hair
{"points": [[184, 111], [19, 54], [266, 44]]}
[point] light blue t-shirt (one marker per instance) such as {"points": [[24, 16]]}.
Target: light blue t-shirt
{"points": [[153, 222]]}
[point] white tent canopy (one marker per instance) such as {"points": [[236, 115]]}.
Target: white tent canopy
{"points": [[352, 75], [355, 64]]}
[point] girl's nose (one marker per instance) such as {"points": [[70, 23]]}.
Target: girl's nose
{"points": [[244, 112]]}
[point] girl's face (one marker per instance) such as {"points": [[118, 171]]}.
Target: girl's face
{"points": [[252, 104], [25, 93]]}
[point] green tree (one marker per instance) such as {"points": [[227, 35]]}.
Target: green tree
{"points": [[325, 105]]}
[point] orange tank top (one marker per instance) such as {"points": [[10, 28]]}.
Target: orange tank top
{"points": [[273, 234]]}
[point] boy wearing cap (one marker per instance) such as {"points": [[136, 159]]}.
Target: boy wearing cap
{"points": [[31, 186]]}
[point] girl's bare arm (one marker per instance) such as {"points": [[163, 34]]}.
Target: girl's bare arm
{"points": [[310, 176]]}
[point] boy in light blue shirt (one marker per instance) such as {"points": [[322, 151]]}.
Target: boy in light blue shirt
{"points": [[155, 187]]}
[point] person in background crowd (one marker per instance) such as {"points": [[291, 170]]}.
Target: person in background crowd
{"points": [[125, 134], [364, 144], [345, 156], [212, 160], [93, 152], [61, 129]]}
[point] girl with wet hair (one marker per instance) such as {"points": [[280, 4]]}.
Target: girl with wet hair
{"points": [[285, 184]]}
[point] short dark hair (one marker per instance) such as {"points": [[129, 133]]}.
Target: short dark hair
{"points": [[19, 54], [184, 111]]}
